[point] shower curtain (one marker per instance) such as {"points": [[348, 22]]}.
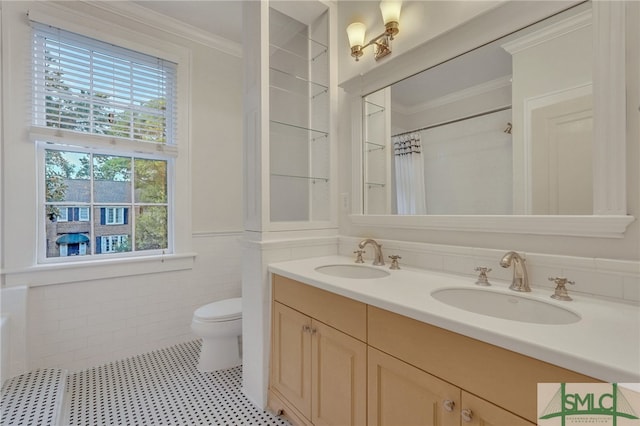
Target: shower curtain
{"points": [[410, 191]]}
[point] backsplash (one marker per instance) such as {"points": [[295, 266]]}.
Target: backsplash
{"points": [[612, 279]]}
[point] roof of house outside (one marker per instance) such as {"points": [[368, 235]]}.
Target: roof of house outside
{"points": [[105, 191]]}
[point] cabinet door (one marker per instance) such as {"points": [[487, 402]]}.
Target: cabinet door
{"points": [[339, 377], [402, 395], [478, 412], [291, 352]]}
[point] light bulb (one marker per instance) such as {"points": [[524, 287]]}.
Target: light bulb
{"points": [[356, 32], [390, 11]]}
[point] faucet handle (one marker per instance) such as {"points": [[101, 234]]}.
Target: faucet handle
{"points": [[394, 261], [359, 254], [483, 280], [560, 292]]}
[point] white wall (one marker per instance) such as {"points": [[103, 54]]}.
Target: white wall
{"points": [[216, 142], [467, 166], [466, 104], [74, 319]]}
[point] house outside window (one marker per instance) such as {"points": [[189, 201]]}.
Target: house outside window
{"points": [[103, 118]]}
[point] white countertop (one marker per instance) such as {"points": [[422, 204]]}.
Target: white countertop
{"points": [[604, 344]]}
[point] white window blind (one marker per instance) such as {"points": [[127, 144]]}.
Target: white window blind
{"points": [[85, 85]]}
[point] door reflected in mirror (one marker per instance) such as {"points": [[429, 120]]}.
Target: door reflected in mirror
{"points": [[504, 129]]}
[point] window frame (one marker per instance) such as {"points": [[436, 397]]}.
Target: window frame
{"points": [[81, 217], [86, 217], [22, 263], [42, 147], [90, 142], [107, 242], [115, 213], [63, 217]]}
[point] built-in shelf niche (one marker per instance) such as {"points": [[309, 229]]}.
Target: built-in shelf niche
{"points": [[376, 157], [299, 119]]}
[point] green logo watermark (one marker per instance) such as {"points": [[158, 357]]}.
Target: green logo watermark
{"points": [[587, 403]]}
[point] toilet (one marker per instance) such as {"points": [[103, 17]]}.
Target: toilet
{"points": [[219, 324]]}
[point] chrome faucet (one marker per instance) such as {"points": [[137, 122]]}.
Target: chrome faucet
{"points": [[520, 280], [378, 258]]}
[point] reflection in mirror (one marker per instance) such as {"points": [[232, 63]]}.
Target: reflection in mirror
{"points": [[503, 129]]}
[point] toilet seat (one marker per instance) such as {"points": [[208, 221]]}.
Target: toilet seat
{"points": [[222, 310]]}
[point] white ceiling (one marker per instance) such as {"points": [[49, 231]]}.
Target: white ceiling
{"points": [[220, 17]]}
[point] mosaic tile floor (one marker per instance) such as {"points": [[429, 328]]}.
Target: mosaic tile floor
{"points": [[33, 398], [163, 387]]}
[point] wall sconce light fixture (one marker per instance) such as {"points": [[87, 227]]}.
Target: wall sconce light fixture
{"points": [[382, 44]]}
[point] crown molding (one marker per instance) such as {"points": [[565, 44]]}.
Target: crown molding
{"points": [[168, 24], [478, 89], [550, 32]]}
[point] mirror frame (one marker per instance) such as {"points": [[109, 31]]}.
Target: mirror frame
{"points": [[610, 217]]}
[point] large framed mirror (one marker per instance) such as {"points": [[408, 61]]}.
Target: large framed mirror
{"points": [[502, 136]]}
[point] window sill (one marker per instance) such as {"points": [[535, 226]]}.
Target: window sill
{"points": [[47, 274]]}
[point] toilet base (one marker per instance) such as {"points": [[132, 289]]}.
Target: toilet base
{"points": [[219, 353]]}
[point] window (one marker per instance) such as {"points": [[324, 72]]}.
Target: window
{"points": [[69, 214], [113, 243], [113, 215], [84, 85], [63, 215], [83, 214], [107, 168]]}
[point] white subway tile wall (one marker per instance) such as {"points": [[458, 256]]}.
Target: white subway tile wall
{"points": [[80, 325], [612, 279]]}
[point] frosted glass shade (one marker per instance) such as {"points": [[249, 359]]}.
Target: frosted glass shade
{"points": [[390, 11], [356, 32]]}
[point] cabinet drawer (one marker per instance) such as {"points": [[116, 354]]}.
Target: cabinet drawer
{"points": [[347, 315], [503, 377]]}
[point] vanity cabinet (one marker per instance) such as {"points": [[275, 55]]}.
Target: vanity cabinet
{"points": [[319, 361], [337, 361]]}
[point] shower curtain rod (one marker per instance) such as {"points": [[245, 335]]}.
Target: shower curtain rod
{"points": [[454, 121]]}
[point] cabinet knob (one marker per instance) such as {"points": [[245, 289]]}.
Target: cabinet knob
{"points": [[466, 414], [448, 405], [309, 329]]}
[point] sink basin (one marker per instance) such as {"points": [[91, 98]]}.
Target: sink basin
{"points": [[352, 271], [505, 306]]}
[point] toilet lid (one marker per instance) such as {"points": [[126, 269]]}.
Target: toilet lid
{"points": [[222, 310]]}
